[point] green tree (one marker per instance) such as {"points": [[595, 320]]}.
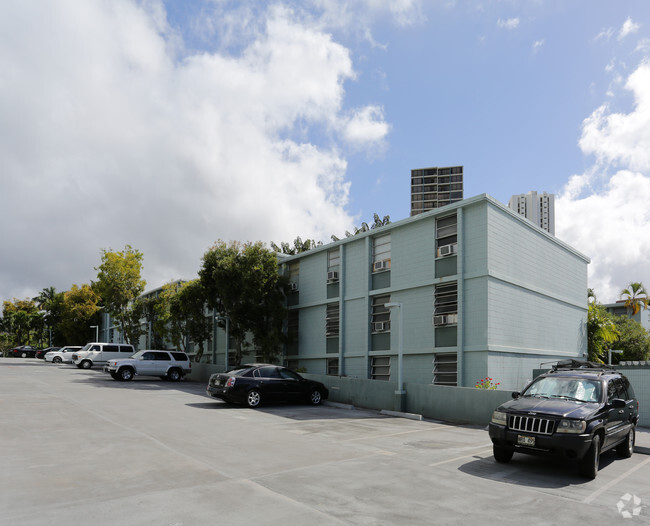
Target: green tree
{"points": [[119, 284], [636, 297], [242, 282], [19, 321], [187, 316], [632, 339], [80, 311], [601, 332], [50, 303]]}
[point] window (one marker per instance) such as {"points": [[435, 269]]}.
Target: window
{"points": [[294, 273], [266, 372], [380, 315], [446, 234], [381, 253], [380, 368], [334, 259], [446, 299], [445, 369], [332, 366], [332, 320]]}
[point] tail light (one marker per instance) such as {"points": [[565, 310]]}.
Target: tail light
{"points": [[230, 382]]}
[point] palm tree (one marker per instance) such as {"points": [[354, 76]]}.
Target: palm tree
{"points": [[635, 297]]}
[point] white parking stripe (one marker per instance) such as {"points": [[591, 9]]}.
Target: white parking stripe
{"points": [[602, 490]]}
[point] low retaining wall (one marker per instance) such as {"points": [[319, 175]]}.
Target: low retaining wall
{"points": [[462, 405]]}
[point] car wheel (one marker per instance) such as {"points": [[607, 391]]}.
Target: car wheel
{"points": [[315, 397], [253, 398], [126, 374], [502, 454], [57, 359], [23, 355], [174, 375], [86, 364], [589, 463], [114, 376], [626, 448]]}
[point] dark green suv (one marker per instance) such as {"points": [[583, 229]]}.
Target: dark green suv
{"points": [[577, 410]]}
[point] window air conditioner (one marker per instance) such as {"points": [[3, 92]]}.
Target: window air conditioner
{"points": [[440, 320], [380, 326], [447, 250], [293, 286], [380, 265], [332, 275]]}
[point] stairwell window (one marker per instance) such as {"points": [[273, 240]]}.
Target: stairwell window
{"points": [[380, 315], [381, 253], [380, 368], [446, 236], [445, 304]]}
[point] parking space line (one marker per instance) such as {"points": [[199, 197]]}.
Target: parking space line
{"points": [[612, 483], [462, 457], [388, 435]]}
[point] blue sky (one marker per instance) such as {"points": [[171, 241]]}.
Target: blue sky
{"points": [[169, 125]]}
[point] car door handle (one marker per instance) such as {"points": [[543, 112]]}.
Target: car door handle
{"points": [[620, 412]]}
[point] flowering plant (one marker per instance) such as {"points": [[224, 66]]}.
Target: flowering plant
{"points": [[487, 383]]}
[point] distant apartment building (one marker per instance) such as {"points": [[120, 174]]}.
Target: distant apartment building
{"points": [[539, 209], [435, 187]]}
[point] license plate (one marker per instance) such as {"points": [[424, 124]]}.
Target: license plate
{"points": [[525, 441]]}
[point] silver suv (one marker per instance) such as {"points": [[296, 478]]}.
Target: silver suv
{"points": [[168, 365]]}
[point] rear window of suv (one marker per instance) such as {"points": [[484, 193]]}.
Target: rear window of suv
{"points": [[180, 356]]}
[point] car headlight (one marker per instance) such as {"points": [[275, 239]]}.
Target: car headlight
{"points": [[499, 417], [571, 426]]}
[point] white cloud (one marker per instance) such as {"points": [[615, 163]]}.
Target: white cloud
{"points": [[537, 45], [366, 126], [607, 216], [628, 28], [107, 138], [510, 23]]}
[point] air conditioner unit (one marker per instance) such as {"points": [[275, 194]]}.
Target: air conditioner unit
{"points": [[384, 264], [445, 319], [293, 286], [380, 326], [448, 250], [332, 275]]}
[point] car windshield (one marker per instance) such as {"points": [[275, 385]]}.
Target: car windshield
{"points": [[137, 355], [577, 389]]}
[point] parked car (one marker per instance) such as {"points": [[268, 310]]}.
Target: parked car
{"points": [[254, 384], [169, 365], [42, 352], [99, 353], [24, 351], [577, 411], [63, 355]]}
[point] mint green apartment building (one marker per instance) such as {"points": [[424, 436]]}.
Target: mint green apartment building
{"points": [[482, 293]]}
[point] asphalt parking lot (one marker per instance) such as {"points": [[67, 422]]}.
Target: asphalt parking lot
{"points": [[79, 448]]}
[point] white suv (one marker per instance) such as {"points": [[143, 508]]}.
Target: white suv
{"points": [[169, 365]]}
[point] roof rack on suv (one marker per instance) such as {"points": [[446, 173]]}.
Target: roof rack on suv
{"points": [[570, 365]]}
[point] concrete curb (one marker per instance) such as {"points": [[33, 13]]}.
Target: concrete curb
{"points": [[410, 416]]}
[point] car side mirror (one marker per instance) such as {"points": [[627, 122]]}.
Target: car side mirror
{"points": [[618, 403], [516, 394]]}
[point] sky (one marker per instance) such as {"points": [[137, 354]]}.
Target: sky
{"points": [[168, 125]]}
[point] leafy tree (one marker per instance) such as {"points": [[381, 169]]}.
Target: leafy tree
{"points": [[187, 316], [119, 284], [242, 282], [150, 312], [601, 332], [80, 311], [377, 222], [19, 320], [632, 339], [50, 303], [298, 246], [636, 297]]}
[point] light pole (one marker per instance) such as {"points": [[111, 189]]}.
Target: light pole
{"points": [[400, 400], [96, 327], [609, 355], [214, 350]]}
